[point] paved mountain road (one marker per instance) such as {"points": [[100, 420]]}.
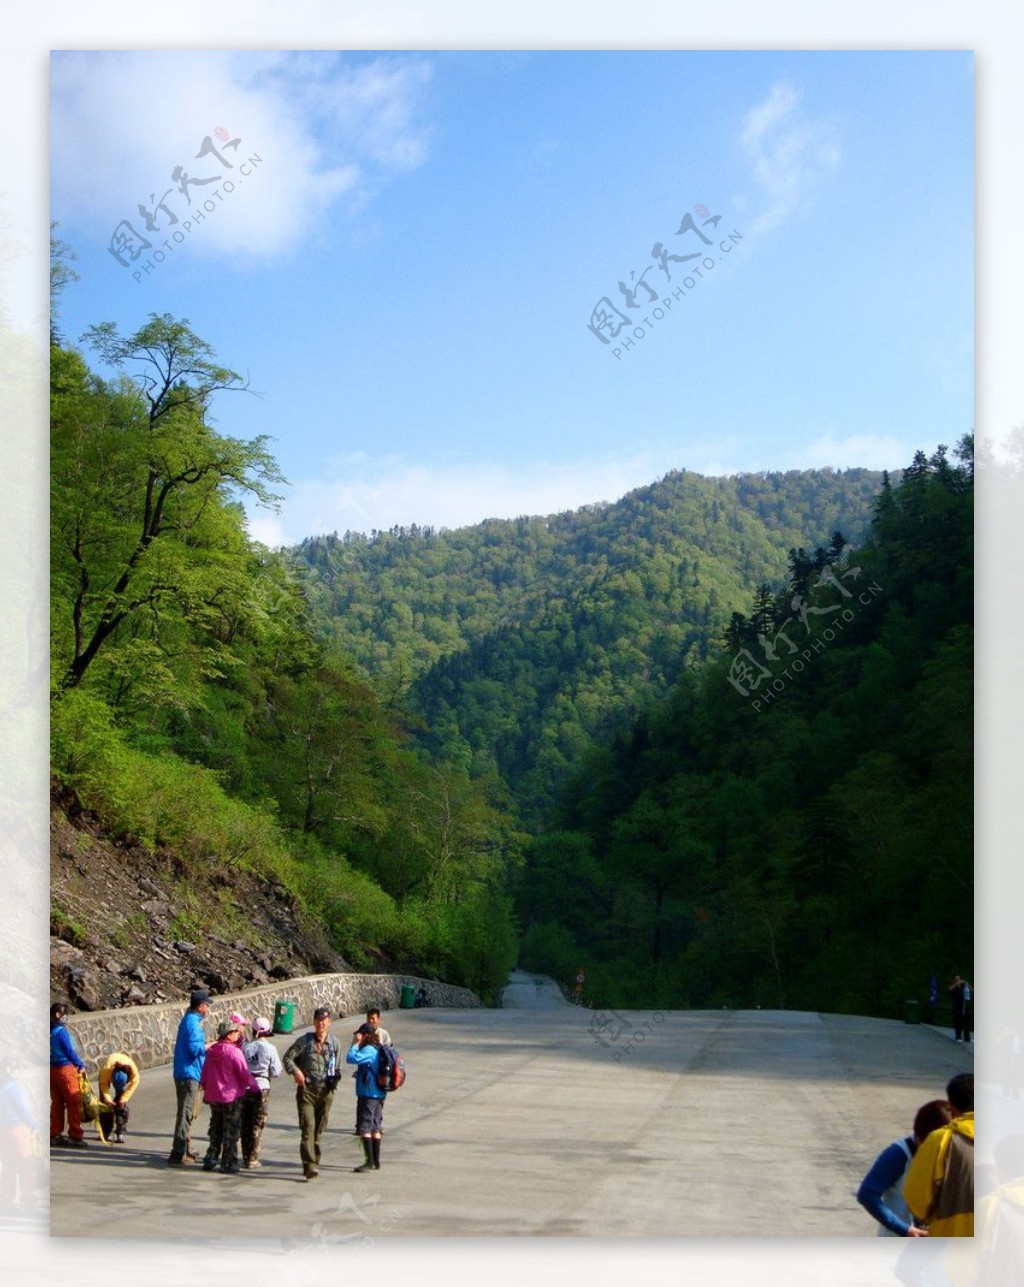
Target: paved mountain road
{"points": [[544, 1119]]}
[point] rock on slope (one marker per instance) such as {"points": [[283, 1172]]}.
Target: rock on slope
{"points": [[129, 926]]}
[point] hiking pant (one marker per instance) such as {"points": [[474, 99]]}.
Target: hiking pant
{"points": [[120, 1112], [225, 1128], [187, 1091], [65, 1097], [962, 1021], [254, 1118], [314, 1105], [17, 1165]]}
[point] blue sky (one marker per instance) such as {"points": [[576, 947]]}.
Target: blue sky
{"points": [[408, 271]]}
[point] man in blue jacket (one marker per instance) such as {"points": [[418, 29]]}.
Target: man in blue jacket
{"points": [[189, 1057], [365, 1054]]}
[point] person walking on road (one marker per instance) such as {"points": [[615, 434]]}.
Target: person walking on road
{"points": [[189, 1057], [118, 1082], [365, 1054], [65, 1095], [225, 1081], [939, 1188], [881, 1190], [18, 1131], [314, 1061], [264, 1062], [963, 1003]]}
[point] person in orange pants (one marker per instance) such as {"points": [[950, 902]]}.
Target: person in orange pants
{"points": [[65, 1096], [17, 1130]]}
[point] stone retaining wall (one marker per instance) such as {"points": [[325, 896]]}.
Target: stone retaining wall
{"points": [[147, 1032]]}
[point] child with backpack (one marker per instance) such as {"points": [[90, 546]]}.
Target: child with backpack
{"points": [[375, 1064], [384, 1039]]}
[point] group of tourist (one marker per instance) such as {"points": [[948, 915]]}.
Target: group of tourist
{"points": [[233, 1077]]}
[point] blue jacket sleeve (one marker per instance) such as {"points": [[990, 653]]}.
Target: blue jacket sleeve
{"points": [[886, 1170], [62, 1048], [365, 1058], [196, 1040], [360, 1055]]}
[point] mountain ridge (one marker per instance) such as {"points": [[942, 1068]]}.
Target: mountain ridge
{"points": [[515, 642]]}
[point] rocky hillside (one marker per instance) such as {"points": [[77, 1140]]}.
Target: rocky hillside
{"points": [[130, 926]]}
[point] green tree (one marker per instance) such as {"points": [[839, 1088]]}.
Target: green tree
{"points": [[145, 515], [465, 839], [656, 845], [61, 273], [323, 761]]}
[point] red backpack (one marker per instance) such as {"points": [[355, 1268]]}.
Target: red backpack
{"points": [[390, 1069]]}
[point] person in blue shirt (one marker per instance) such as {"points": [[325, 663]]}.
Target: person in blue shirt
{"points": [[881, 1190], [365, 1054], [189, 1057], [65, 1094]]}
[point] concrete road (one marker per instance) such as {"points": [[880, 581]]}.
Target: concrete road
{"points": [[531, 992], [550, 1121]]}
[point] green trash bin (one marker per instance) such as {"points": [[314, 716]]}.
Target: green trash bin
{"points": [[408, 1001], [913, 1011], [284, 1016]]}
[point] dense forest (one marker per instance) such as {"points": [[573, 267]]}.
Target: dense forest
{"points": [[793, 826], [711, 741], [516, 645]]}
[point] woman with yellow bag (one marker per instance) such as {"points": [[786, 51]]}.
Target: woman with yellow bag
{"points": [[65, 1089]]}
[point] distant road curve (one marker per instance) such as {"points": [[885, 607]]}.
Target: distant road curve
{"points": [[531, 992]]}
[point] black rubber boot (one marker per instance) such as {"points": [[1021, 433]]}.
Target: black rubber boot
{"points": [[368, 1150], [375, 1145]]}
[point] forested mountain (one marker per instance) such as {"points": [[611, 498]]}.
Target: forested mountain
{"points": [[793, 826], [194, 706], [517, 643], [712, 741]]}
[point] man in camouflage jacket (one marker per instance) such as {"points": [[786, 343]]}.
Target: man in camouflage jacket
{"points": [[313, 1060]]}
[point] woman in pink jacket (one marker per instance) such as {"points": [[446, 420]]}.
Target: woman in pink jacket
{"points": [[225, 1080]]}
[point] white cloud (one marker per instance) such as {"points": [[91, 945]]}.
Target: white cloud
{"points": [[787, 152], [390, 493], [322, 127], [361, 494], [854, 451]]}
